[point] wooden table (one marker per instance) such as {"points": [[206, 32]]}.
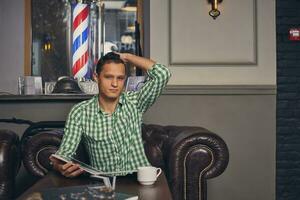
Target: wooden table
{"points": [[127, 184]]}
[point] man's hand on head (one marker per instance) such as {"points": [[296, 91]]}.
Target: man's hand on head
{"points": [[67, 169], [138, 61], [123, 56]]}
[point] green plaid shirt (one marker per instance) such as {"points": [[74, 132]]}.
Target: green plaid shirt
{"points": [[114, 142]]}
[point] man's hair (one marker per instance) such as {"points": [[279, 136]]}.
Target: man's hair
{"points": [[110, 57]]}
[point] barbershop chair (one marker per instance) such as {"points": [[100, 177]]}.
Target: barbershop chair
{"points": [[188, 155], [9, 163]]}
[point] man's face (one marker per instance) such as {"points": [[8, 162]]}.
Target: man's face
{"points": [[111, 80]]}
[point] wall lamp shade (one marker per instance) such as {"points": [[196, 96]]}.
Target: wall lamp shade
{"points": [[47, 42], [214, 12]]}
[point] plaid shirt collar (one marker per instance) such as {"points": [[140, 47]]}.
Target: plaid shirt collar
{"points": [[98, 108]]}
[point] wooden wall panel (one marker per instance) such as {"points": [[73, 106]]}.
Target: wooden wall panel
{"points": [[228, 40]]}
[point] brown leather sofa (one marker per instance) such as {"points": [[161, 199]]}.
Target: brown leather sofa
{"points": [[9, 163], [188, 155]]}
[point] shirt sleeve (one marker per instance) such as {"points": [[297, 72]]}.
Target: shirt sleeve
{"points": [[158, 77], [72, 133]]}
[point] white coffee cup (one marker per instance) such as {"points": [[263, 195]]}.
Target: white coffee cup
{"points": [[148, 175]]}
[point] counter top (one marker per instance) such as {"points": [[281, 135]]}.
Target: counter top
{"points": [[169, 90], [52, 97]]}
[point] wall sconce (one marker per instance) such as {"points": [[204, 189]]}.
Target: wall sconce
{"points": [[47, 42], [214, 12]]}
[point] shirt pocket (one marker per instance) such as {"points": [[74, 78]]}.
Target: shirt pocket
{"points": [[96, 134], [94, 131], [99, 146]]}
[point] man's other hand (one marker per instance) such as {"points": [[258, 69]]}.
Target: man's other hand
{"points": [[67, 169], [140, 62]]}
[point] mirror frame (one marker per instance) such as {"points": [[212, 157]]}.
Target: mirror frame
{"points": [[27, 38]]}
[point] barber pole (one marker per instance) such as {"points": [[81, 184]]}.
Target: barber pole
{"points": [[80, 31]]}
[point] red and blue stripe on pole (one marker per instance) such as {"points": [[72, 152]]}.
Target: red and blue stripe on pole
{"points": [[80, 30]]}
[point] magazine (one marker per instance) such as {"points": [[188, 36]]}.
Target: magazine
{"points": [[84, 166], [87, 192], [89, 169]]}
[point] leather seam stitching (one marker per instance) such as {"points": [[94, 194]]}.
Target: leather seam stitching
{"points": [[36, 159], [201, 173]]}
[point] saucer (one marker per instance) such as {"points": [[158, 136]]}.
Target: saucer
{"points": [[146, 182]]}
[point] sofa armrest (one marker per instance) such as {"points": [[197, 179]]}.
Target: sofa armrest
{"points": [[191, 155], [38, 148], [9, 163]]}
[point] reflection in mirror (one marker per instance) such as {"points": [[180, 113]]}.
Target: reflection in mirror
{"points": [[50, 33], [111, 27]]}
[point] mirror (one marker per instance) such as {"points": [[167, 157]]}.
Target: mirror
{"points": [[112, 25], [50, 29]]}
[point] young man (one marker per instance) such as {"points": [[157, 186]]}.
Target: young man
{"points": [[110, 124]]}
